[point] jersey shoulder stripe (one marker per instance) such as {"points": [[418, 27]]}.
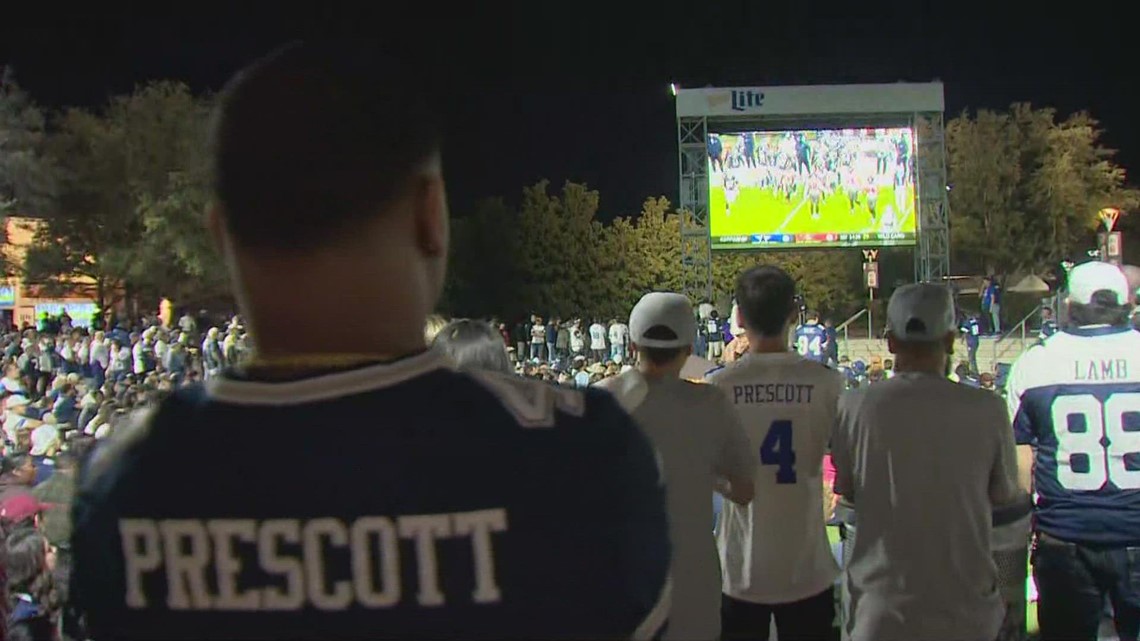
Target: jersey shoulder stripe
{"points": [[532, 403]]}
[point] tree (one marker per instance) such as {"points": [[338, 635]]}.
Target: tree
{"points": [[131, 191], [483, 270], [25, 177], [643, 255], [1026, 188], [89, 225], [560, 248]]}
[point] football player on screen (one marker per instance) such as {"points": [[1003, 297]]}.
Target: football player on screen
{"points": [[731, 191], [872, 198], [716, 151], [889, 218], [815, 193], [749, 148], [803, 154], [851, 188]]}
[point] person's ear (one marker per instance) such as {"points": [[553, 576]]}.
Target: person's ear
{"points": [[892, 344], [431, 215]]}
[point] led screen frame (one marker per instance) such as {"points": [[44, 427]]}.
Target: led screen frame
{"points": [[812, 188]]}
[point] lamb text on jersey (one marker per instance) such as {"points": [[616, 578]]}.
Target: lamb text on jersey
{"points": [[1115, 369]]}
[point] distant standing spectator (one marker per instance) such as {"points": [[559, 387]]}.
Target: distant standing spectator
{"points": [[1048, 323], [619, 341], [715, 338], [598, 341], [991, 304], [832, 345], [971, 333], [552, 339], [537, 338]]}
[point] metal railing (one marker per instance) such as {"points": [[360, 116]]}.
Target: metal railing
{"points": [[1021, 327], [843, 328]]}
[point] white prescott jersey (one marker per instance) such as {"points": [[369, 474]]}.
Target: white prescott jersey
{"points": [[776, 550]]}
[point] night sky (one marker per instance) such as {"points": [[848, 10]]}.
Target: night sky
{"points": [[579, 91]]}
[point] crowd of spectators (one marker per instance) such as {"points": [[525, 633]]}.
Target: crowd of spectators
{"points": [[65, 387]]}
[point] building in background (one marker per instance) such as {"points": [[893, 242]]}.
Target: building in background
{"points": [[23, 303]]}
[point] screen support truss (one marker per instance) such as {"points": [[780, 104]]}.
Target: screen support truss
{"points": [[931, 253], [696, 241]]}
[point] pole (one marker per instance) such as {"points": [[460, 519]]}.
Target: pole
{"points": [[870, 304]]}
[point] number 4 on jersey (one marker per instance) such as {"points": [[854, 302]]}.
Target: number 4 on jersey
{"points": [[777, 450]]}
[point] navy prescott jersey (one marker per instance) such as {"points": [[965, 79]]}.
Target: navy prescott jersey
{"points": [[1076, 399], [811, 342], [400, 500]]}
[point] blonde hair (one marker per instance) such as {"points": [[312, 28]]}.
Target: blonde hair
{"points": [[432, 327]]}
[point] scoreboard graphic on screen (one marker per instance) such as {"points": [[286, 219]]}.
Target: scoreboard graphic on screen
{"points": [[812, 188]]}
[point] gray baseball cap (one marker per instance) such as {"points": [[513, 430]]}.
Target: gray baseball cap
{"points": [[663, 309], [922, 312]]}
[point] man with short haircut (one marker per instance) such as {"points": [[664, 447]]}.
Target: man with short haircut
{"points": [[923, 461], [393, 496], [775, 555], [702, 444], [1075, 404]]}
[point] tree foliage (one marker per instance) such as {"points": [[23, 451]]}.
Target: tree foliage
{"points": [[131, 189], [25, 178], [1026, 187], [551, 256]]}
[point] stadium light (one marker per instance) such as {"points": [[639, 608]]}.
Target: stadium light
{"points": [[673, 89]]}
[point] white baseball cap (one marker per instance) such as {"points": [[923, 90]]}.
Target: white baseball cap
{"points": [[1089, 278], [922, 312], [663, 309]]}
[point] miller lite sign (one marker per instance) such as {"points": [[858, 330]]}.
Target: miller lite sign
{"points": [[747, 99]]}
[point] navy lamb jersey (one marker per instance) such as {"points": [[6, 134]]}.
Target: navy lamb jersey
{"points": [[400, 500], [1076, 399]]}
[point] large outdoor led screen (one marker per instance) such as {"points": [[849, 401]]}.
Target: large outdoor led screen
{"points": [[816, 188]]}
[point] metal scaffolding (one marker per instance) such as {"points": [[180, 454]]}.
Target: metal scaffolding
{"points": [[696, 243], [932, 254]]}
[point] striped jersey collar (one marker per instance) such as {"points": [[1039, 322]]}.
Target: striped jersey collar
{"points": [[324, 387]]}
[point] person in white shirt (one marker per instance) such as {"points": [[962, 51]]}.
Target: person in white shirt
{"points": [[775, 553], [598, 341], [99, 358], [537, 338], [619, 341], [702, 444], [577, 340], [143, 353], [121, 361], [924, 461]]}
